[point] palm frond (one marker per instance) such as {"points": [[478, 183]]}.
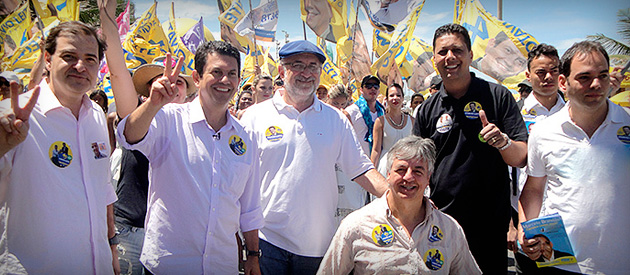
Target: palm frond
{"points": [[624, 23], [611, 45]]}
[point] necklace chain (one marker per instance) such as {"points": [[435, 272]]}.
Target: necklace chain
{"points": [[402, 121]]}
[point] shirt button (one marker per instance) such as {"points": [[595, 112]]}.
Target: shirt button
{"points": [[214, 185], [209, 233], [216, 161], [213, 209]]}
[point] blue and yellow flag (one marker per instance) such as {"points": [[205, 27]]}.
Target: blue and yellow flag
{"points": [[146, 40], [327, 20], [66, 10], [499, 48], [178, 48], [14, 30], [231, 13], [398, 49], [330, 73]]}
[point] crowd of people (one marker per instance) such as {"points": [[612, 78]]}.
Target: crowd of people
{"points": [[296, 177]]}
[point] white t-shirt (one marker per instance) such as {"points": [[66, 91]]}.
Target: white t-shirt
{"points": [[587, 184], [59, 187], [203, 187], [297, 163], [360, 129]]}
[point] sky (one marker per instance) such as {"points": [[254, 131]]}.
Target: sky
{"points": [[559, 23]]}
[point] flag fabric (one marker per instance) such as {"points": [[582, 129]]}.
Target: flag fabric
{"points": [[146, 40], [194, 37], [123, 21], [14, 30], [499, 48], [617, 62], [252, 60], [330, 75], [270, 66], [386, 14], [260, 23], [327, 20], [66, 10], [353, 57], [380, 42], [25, 56], [178, 48], [398, 49], [231, 13], [419, 59]]}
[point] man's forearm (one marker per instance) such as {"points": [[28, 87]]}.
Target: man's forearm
{"points": [[373, 182]]}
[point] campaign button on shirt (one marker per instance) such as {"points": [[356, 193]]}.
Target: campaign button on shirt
{"points": [[434, 259], [60, 154], [382, 235], [274, 133], [471, 110], [237, 145], [444, 123]]}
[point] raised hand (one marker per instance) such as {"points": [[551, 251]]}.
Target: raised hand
{"points": [[15, 123], [164, 89], [490, 132]]}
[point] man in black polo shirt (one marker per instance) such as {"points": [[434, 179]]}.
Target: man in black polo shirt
{"points": [[478, 131]]}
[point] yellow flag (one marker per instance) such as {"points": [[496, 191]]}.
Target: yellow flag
{"points": [[327, 19], [25, 56], [231, 13], [398, 48], [178, 47], [67, 10], [499, 48], [330, 73], [270, 67], [422, 70], [14, 30], [618, 61], [380, 41], [252, 60], [145, 41]]}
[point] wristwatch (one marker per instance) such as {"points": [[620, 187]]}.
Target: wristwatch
{"points": [[114, 240], [254, 253]]}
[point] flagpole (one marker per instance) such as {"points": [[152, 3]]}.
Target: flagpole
{"points": [[40, 24], [253, 29], [354, 32], [304, 29]]}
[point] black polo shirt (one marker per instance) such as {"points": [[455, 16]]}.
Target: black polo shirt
{"points": [[471, 181]]}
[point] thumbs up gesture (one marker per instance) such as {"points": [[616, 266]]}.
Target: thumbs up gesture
{"points": [[491, 132]]}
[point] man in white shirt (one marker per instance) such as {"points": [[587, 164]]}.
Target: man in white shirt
{"points": [[61, 213], [580, 157], [203, 179], [365, 111], [301, 139]]}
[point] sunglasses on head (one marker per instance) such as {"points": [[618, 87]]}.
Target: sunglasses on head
{"points": [[372, 85], [4, 82]]}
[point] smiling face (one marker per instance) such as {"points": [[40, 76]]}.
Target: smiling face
{"points": [[245, 101], [452, 57], [74, 65], [300, 84], [503, 59], [219, 81], [588, 83], [318, 15], [394, 98], [407, 179]]}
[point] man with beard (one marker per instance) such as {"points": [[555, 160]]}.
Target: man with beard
{"points": [[301, 139]]}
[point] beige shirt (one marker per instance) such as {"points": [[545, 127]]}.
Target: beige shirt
{"points": [[371, 241]]}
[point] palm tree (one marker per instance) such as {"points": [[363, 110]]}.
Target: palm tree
{"points": [[89, 11], [614, 46]]}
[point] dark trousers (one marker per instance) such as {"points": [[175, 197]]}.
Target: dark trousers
{"points": [[276, 260]]}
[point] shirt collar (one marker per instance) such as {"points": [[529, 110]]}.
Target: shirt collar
{"points": [[471, 87], [279, 103], [615, 114], [531, 101], [196, 115], [48, 100]]}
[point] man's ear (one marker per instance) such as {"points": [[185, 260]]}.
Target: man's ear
{"points": [[562, 83], [47, 58], [527, 75], [196, 78]]}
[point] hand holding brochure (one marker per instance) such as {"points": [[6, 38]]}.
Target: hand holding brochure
{"points": [[555, 245]]}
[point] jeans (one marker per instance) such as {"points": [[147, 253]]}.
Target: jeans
{"points": [[129, 249], [276, 260]]}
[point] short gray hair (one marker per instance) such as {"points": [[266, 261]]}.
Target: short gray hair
{"points": [[413, 147]]}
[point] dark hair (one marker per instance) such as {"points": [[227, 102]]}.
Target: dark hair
{"points": [[539, 50], [500, 37], [397, 87], [99, 92], [260, 77], [220, 47], [583, 47], [278, 81], [238, 100], [451, 29], [416, 95], [74, 28]]}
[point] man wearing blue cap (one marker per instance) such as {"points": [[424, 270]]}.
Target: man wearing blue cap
{"points": [[301, 139]]}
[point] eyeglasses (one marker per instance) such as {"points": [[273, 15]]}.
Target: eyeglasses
{"points": [[4, 82], [372, 85], [300, 67]]}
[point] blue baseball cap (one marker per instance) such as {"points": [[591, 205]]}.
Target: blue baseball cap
{"points": [[301, 46]]}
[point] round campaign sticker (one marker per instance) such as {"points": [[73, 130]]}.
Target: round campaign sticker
{"points": [[435, 234], [444, 123], [434, 259], [623, 134], [237, 145], [383, 235], [274, 133], [471, 110], [60, 154]]}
